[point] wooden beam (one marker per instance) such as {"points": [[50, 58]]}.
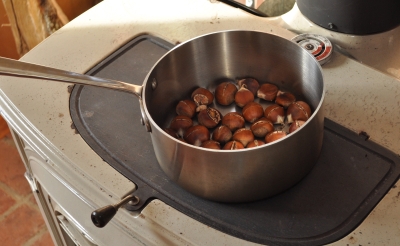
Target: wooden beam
{"points": [[7, 47], [32, 21]]}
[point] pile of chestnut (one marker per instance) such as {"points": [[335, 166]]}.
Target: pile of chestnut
{"points": [[282, 116]]}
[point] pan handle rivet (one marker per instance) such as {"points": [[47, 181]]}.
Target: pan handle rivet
{"points": [[154, 84]]}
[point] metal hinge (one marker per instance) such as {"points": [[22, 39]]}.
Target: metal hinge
{"points": [[32, 182], [77, 235]]}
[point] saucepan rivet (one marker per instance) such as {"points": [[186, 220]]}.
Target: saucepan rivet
{"points": [[154, 84]]}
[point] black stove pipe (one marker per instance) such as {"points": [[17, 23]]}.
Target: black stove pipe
{"points": [[358, 17]]}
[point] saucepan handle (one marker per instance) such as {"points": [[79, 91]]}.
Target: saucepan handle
{"points": [[17, 68]]}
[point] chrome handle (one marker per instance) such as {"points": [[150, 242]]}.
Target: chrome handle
{"points": [[15, 68]]}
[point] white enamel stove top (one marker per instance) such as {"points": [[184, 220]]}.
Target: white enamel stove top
{"points": [[97, 33]]}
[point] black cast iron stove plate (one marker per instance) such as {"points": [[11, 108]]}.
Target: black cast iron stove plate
{"points": [[352, 175]]}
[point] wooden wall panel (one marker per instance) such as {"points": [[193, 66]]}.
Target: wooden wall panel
{"points": [[7, 49], [7, 43], [33, 20]]}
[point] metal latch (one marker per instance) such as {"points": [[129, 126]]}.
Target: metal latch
{"points": [[31, 181]]}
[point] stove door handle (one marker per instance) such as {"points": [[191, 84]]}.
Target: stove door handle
{"points": [[100, 217]]}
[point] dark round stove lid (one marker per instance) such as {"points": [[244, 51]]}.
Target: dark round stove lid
{"points": [[358, 17]]}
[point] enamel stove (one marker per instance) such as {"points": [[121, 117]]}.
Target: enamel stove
{"points": [[350, 197], [350, 178]]}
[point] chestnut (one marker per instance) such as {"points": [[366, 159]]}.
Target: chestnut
{"points": [[211, 144], [243, 135], [251, 84], [267, 92], [232, 145], [180, 123], [275, 113], [201, 107], [252, 112], [222, 134], [171, 132], [225, 93], [182, 140], [298, 111], [296, 125], [233, 120], [186, 107], [262, 127], [209, 117], [243, 96], [284, 98], [202, 96], [196, 135], [273, 136], [255, 143]]}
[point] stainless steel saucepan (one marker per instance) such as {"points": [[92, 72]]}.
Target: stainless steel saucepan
{"points": [[219, 175]]}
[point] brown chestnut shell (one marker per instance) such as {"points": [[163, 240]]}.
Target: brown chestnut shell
{"points": [[182, 140], [233, 120], [243, 96], [251, 84], [267, 92], [275, 113], [252, 112], [171, 132], [202, 96], [186, 107], [298, 111], [196, 135], [209, 117], [211, 144], [284, 99], [180, 123], [275, 135], [255, 143], [262, 127], [222, 134], [243, 135], [296, 125], [225, 93], [233, 145]]}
